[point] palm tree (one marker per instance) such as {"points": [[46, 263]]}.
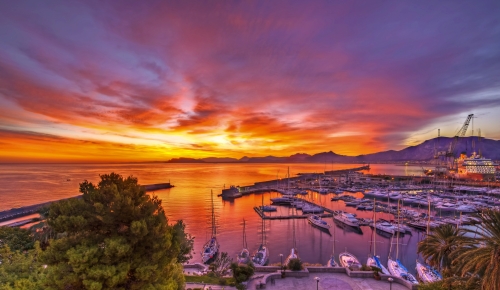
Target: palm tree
{"points": [[479, 254], [438, 246]]}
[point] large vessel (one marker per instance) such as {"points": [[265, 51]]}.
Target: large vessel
{"points": [[475, 167], [347, 218]]}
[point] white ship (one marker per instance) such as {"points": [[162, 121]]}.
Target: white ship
{"points": [[475, 167]]}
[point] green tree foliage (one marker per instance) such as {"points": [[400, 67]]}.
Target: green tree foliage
{"points": [[16, 238], [221, 265], [21, 270], [242, 272], [295, 264], [451, 284], [114, 237], [438, 246], [479, 254]]}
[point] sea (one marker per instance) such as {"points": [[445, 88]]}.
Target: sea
{"points": [[190, 201]]}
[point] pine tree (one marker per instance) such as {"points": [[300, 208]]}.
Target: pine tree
{"points": [[115, 237]]}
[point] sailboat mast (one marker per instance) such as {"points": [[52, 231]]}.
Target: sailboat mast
{"points": [[374, 228], [397, 238], [428, 214], [244, 235], [214, 230]]}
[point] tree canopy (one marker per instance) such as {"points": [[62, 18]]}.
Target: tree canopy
{"points": [[115, 237], [16, 239]]}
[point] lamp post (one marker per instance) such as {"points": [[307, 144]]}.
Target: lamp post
{"points": [[317, 282], [390, 282]]}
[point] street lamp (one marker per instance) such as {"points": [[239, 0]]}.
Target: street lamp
{"points": [[317, 282], [390, 282]]}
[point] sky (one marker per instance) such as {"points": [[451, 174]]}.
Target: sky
{"points": [[120, 81]]}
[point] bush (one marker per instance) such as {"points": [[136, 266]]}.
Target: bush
{"points": [[222, 281], [366, 268], [295, 265], [242, 273]]}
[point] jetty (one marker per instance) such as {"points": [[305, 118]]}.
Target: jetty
{"points": [[32, 209]]}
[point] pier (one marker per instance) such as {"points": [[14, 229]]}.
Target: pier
{"points": [[287, 217]]}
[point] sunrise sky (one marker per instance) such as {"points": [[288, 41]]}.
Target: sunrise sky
{"points": [[87, 81]]}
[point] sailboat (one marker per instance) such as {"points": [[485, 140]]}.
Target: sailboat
{"points": [[348, 260], [331, 262], [293, 251], [425, 272], [261, 257], [244, 255], [211, 247], [321, 190], [374, 260], [395, 267]]}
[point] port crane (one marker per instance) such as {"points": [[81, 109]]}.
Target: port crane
{"points": [[449, 155]]}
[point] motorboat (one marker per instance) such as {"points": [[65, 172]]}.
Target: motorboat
{"points": [[287, 200], [318, 222], [268, 208], [427, 274], [384, 226], [348, 260], [309, 208], [347, 218]]}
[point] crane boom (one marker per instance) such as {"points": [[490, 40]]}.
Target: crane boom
{"points": [[460, 133]]}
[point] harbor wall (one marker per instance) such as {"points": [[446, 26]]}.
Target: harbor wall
{"points": [[31, 209]]}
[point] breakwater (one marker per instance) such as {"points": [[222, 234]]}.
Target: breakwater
{"points": [[31, 209]]}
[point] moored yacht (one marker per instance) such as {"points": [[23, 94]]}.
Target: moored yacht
{"points": [[318, 222], [347, 218]]}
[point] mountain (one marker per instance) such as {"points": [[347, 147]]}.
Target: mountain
{"points": [[422, 152]]}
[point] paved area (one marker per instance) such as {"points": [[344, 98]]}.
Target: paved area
{"points": [[334, 281]]}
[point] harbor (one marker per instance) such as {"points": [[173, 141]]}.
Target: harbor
{"points": [[346, 192]]}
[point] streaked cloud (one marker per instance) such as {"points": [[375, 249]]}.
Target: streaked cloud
{"points": [[154, 80]]}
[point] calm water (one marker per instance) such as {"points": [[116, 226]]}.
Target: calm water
{"points": [[190, 201]]}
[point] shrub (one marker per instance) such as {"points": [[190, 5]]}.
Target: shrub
{"points": [[365, 268], [295, 265]]}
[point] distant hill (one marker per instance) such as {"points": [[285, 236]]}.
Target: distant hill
{"points": [[422, 152]]}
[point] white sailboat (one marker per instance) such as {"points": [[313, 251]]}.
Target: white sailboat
{"points": [[261, 257], [244, 255], [293, 251], [374, 260], [348, 260], [331, 262], [211, 247], [425, 272], [395, 267]]}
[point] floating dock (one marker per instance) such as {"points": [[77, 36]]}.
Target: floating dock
{"points": [[287, 217]]}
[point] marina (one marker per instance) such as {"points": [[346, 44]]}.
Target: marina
{"points": [[190, 200]]}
